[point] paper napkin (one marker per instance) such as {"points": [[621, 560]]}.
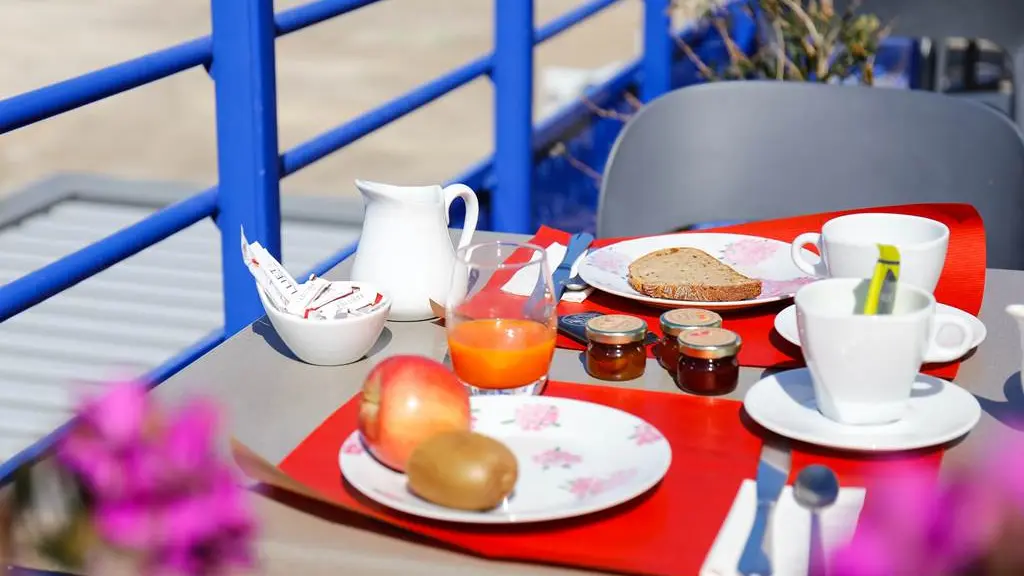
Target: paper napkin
{"points": [[524, 280], [790, 531]]}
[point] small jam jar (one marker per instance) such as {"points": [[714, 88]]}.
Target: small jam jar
{"points": [[707, 361], [675, 321], [615, 347]]}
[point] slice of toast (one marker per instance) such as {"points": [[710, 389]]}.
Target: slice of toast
{"points": [[690, 274]]}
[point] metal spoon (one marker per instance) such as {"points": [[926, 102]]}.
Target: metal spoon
{"points": [[575, 283], [815, 489]]}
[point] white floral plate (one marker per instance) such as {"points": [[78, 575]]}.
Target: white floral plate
{"points": [[770, 261], [574, 458]]}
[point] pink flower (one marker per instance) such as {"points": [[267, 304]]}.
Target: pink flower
{"points": [[614, 480], [124, 524], [191, 437], [592, 486], [749, 251], [912, 529], [352, 446], [645, 434], [772, 288], [205, 518], [106, 434], [870, 556], [155, 483], [915, 524], [581, 487], [610, 261], [556, 457], [533, 417], [118, 416]]}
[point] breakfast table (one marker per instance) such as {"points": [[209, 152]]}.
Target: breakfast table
{"points": [[272, 402]]}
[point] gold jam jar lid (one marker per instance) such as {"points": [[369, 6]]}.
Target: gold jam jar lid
{"points": [[616, 329], [675, 321], [709, 343]]}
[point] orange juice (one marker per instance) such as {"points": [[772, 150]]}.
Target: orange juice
{"points": [[498, 353]]}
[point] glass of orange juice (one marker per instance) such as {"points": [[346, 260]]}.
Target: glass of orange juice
{"points": [[501, 341]]}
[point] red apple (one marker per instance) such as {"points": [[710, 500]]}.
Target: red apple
{"points": [[407, 399]]}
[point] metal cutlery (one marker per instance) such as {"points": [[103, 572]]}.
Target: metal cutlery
{"points": [[816, 488], [772, 471], [565, 275], [560, 275], [575, 283]]}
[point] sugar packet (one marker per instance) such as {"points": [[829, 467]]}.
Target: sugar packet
{"points": [[317, 298], [270, 276]]}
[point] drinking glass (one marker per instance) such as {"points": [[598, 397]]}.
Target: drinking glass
{"points": [[501, 342]]}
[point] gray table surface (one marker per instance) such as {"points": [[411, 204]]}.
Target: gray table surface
{"points": [[273, 401]]}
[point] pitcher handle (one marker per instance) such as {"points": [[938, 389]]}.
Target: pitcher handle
{"points": [[472, 210]]}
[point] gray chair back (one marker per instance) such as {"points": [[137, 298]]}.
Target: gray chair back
{"points": [[759, 150], [1001, 21]]}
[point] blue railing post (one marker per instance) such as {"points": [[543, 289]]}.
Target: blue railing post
{"points": [[247, 155], [513, 115], [658, 48]]}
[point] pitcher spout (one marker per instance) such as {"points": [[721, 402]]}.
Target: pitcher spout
{"points": [[413, 194], [1016, 311]]}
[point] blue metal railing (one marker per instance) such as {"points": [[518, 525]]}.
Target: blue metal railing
{"points": [[239, 55], [248, 166], [245, 107], [658, 50]]}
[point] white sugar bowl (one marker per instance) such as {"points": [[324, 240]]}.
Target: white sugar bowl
{"points": [[330, 342]]}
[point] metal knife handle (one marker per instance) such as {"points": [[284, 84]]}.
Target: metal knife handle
{"points": [[816, 558], [754, 561], [578, 244]]}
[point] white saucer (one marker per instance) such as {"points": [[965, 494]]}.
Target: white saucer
{"points": [[785, 325], [939, 411]]}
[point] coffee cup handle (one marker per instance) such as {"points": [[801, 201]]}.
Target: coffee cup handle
{"points": [[942, 353], [818, 269]]}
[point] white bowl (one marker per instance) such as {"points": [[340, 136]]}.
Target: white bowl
{"points": [[329, 342]]}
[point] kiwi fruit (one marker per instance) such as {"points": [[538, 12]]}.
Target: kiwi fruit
{"points": [[462, 470]]}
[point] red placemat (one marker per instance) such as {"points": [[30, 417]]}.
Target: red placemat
{"points": [[666, 532], [962, 284]]}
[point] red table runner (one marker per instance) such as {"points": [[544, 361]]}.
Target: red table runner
{"points": [[666, 532], [961, 285]]}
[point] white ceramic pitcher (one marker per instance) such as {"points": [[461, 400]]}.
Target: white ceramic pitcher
{"points": [[1016, 311], [405, 249]]}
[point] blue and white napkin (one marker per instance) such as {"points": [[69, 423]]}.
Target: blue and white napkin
{"points": [[524, 280], [790, 534]]}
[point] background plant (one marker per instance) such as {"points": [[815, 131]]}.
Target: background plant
{"points": [[968, 523], [134, 481], [797, 40]]}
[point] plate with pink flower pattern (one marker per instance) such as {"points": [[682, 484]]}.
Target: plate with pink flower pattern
{"points": [[574, 458], [764, 259]]}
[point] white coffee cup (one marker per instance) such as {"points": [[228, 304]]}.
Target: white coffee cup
{"points": [[849, 247], [863, 367]]}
